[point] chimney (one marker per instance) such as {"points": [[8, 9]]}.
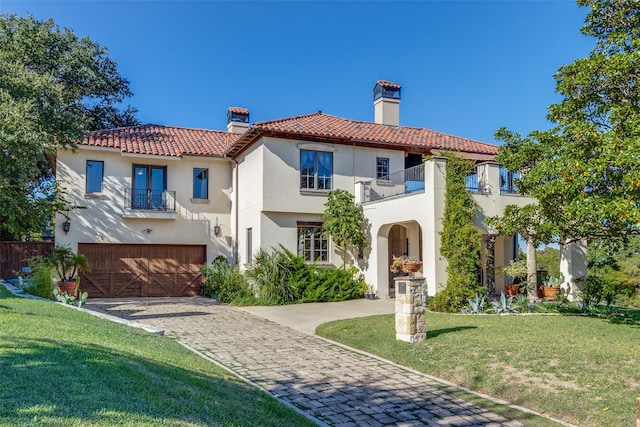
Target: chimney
{"points": [[386, 103], [237, 120]]}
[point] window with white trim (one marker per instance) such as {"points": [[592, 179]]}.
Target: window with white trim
{"points": [[312, 245], [382, 167], [200, 183], [95, 175], [316, 170]]}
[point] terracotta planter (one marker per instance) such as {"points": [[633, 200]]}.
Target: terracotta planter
{"points": [[512, 290], [68, 287], [411, 266], [549, 292]]}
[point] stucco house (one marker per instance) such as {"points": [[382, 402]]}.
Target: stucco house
{"points": [[159, 201]]}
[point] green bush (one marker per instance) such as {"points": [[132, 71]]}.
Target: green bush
{"points": [[280, 277], [40, 283], [225, 281], [331, 284]]}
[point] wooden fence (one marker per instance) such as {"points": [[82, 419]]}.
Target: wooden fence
{"points": [[13, 255]]}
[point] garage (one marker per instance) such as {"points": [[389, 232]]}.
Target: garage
{"points": [[142, 270]]}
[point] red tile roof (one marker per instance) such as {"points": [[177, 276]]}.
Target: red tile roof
{"points": [[163, 140], [323, 127], [238, 110], [388, 84]]}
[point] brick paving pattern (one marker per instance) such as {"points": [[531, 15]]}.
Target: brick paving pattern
{"points": [[331, 383]]}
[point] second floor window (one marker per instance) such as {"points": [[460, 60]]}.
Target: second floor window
{"points": [[149, 185], [316, 170], [382, 168], [200, 183], [95, 175]]}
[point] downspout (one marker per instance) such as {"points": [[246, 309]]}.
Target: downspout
{"points": [[236, 189]]}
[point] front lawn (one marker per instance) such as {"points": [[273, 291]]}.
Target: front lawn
{"points": [[63, 367], [583, 370]]}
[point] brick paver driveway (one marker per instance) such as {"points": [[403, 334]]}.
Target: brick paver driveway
{"points": [[329, 382]]}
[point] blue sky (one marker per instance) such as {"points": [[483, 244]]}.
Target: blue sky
{"points": [[466, 68]]}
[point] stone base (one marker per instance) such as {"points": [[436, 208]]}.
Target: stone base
{"points": [[411, 338]]}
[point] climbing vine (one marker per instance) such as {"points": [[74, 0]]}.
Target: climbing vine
{"points": [[460, 241]]}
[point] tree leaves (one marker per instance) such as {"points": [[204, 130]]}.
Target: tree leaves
{"points": [[584, 172]]}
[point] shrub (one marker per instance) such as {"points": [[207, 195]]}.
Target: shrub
{"points": [[330, 284], [40, 283], [225, 281], [278, 276]]}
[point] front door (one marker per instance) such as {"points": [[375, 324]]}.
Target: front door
{"points": [[149, 184]]}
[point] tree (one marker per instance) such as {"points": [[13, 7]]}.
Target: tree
{"points": [[54, 87], [526, 221], [344, 223], [460, 241], [585, 171]]}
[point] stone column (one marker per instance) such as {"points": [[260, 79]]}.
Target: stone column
{"points": [[410, 308]]}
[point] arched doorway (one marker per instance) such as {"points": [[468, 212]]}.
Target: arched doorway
{"points": [[403, 240]]}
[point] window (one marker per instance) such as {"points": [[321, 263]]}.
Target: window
{"points": [[149, 185], [382, 167], [316, 170], [95, 175], [312, 245], [249, 245], [200, 183]]}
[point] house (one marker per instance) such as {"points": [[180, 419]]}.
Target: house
{"points": [[159, 201]]}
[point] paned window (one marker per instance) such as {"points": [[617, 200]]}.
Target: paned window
{"points": [[312, 245], [316, 170], [382, 167], [200, 183], [95, 175]]}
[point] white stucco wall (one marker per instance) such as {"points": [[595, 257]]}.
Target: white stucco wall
{"points": [[271, 201], [104, 219]]}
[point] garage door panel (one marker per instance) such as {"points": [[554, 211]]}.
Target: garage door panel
{"points": [[127, 285], [189, 284], [131, 270], [97, 285]]}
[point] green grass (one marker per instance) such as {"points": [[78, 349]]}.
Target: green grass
{"points": [[63, 367], [583, 370]]}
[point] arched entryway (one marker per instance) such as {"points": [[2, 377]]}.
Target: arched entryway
{"points": [[403, 239]]}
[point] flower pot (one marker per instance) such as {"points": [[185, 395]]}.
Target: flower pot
{"points": [[68, 287], [512, 290], [549, 292], [411, 266]]}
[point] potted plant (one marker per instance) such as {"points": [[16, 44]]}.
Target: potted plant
{"points": [[68, 264], [551, 287], [406, 264], [517, 271]]}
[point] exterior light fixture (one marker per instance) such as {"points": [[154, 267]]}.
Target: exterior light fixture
{"points": [[66, 226], [216, 229]]}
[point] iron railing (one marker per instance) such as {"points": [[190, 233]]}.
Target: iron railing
{"points": [[161, 200], [508, 181], [473, 183], [408, 181]]}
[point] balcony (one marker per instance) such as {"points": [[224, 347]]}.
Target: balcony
{"points": [[407, 182], [149, 204]]}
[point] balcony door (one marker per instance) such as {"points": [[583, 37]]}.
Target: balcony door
{"points": [[149, 185]]}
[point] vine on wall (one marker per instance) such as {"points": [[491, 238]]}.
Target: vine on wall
{"points": [[460, 241]]}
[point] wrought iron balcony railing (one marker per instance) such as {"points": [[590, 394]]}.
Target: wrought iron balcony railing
{"points": [[408, 181], [160, 200]]}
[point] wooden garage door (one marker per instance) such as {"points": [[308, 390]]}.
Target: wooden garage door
{"points": [[135, 270]]}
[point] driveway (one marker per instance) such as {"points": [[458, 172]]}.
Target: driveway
{"points": [[330, 383]]}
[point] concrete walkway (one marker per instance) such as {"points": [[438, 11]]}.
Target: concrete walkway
{"points": [[333, 384]]}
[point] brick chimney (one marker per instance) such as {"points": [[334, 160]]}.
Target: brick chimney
{"points": [[386, 103], [237, 120]]}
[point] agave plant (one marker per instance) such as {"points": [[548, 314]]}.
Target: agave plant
{"points": [[503, 305], [476, 305]]}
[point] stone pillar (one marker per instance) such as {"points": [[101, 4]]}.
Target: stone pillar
{"points": [[573, 267], [410, 308]]}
